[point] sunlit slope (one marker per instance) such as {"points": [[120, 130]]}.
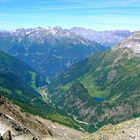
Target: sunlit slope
{"points": [[111, 82]]}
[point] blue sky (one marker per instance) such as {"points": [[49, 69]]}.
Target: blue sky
{"points": [[96, 14]]}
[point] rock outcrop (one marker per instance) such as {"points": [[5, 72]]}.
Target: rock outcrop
{"points": [[132, 42], [128, 130], [7, 135]]}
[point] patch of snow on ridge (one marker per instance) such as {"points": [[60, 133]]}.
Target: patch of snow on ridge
{"points": [[9, 117], [3, 128]]}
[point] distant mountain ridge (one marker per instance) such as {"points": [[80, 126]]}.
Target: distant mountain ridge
{"points": [[49, 51], [106, 38]]}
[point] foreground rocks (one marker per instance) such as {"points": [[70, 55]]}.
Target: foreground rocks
{"points": [[128, 130], [6, 136], [18, 125]]}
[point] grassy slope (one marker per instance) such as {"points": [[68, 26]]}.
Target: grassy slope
{"points": [[104, 75], [114, 75], [19, 83]]}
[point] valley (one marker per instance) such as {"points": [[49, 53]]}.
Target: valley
{"points": [[21, 84], [98, 87], [69, 70]]}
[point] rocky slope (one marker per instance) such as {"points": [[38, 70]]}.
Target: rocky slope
{"points": [[102, 89], [48, 51], [128, 130], [133, 43], [106, 38], [20, 124], [24, 126]]}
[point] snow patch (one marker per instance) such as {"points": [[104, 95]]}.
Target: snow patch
{"points": [[9, 117], [53, 126], [3, 128]]}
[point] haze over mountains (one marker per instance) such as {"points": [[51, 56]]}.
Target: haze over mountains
{"points": [[48, 51], [106, 38], [89, 85], [51, 51]]}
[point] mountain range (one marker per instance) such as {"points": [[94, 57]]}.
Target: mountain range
{"points": [[48, 51], [51, 51], [89, 85], [106, 38]]}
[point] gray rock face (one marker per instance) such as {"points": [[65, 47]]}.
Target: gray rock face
{"points": [[18, 125], [1, 138], [133, 43], [128, 130], [12, 119], [7, 135]]}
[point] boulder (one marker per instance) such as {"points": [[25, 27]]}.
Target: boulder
{"points": [[7, 135]]}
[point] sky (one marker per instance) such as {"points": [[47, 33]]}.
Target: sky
{"points": [[95, 14]]}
